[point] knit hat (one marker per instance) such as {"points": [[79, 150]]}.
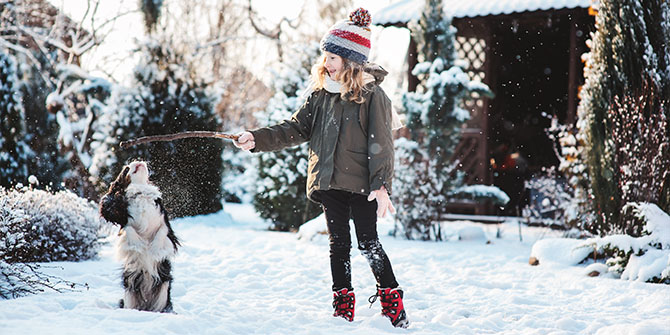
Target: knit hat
{"points": [[350, 38]]}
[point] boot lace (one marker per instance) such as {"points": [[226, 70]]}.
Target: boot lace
{"points": [[343, 304], [388, 301]]}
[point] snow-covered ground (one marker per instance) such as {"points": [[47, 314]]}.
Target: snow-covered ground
{"points": [[233, 277]]}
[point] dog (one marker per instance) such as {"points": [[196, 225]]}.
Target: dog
{"points": [[147, 243]]}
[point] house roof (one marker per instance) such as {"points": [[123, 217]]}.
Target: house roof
{"points": [[404, 11]]}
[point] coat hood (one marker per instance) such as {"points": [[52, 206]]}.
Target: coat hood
{"points": [[376, 71]]}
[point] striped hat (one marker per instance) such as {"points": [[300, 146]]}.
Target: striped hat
{"points": [[350, 38]]}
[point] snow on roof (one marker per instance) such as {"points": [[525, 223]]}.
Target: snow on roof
{"points": [[407, 10]]}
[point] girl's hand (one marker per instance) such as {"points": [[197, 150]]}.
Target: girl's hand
{"points": [[245, 141], [383, 202]]}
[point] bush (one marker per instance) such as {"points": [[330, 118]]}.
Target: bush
{"points": [[551, 200], [19, 279], [640, 147], [643, 258], [38, 226]]}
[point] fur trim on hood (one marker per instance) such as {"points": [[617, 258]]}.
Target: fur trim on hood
{"points": [[377, 71]]}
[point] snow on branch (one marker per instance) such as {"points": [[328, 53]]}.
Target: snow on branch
{"points": [[21, 279], [645, 258]]}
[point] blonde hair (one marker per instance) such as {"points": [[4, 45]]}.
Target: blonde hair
{"points": [[351, 78]]}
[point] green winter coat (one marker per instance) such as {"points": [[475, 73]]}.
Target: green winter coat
{"points": [[350, 144]]}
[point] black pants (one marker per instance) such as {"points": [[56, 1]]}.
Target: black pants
{"points": [[339, 206]]}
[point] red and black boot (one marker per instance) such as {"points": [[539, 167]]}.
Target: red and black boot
{"points": [[392, 306], [343, 303]]}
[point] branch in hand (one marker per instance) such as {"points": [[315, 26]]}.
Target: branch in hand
{"points": [[172, 137]]}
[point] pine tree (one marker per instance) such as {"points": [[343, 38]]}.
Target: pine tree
{"points": [[35, 70], [165, 98], [48, 165], [282, 175], [425, 169], [630, 45], [14, 152]]}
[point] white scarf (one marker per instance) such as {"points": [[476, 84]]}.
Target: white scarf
{"points": [[334, 86]]}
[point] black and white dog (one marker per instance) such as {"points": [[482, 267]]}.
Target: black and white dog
{"points": [[147, 243]]}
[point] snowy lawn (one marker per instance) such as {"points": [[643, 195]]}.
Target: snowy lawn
{"points": [[232, 277]]}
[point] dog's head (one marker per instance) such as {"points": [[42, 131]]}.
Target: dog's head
{"points": [[135, 172], [114, 205], [138, 172]]}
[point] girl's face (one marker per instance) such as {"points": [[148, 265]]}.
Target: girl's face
{"points": [[333, 64]]}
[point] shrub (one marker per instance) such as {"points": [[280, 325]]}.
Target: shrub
{"points": [[38, 226]]}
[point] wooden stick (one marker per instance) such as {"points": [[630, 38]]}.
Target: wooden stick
{"points": [[172, 137]]}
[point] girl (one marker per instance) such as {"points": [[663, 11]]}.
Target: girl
{"points": [[348, 122]]}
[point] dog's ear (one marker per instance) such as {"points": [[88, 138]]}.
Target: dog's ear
{"points": [[121, 181]]}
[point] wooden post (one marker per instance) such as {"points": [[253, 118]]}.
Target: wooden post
{"points": [[490, 80], [572, 69], [412, 60]]}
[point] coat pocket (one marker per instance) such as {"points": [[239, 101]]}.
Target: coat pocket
{"points": [[354, 163], [358, 157]]}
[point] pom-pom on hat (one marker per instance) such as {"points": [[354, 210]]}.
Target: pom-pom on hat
{"points": [[350, 38]]}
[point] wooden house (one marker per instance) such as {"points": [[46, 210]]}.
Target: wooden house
{"points": [[528, 52]]}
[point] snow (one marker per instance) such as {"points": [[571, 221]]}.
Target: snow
{"points": [[407, 10], [234, 277], [65, 132], [310, 229], [658, 223], [483, 191], [471, 234], [647, 266], [560, 251], [477, 86], [649, 253], [54, 99]]}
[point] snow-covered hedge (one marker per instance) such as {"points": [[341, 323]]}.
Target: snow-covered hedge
{"points": [[645, 258], [38, 226]]}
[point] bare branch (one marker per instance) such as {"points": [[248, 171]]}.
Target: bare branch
{"points": [[20, 279], [83, 18], [274, 34], [172, 137]]}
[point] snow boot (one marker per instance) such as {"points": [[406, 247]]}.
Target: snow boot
{"points": [[392, 306], [343, 303]]}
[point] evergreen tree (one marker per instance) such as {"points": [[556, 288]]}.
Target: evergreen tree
{"points": [[630, 45], [425, 169], [282, 175], [47, 165], [23, 21], [165, 98], [14, 152], [77, 103]]}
